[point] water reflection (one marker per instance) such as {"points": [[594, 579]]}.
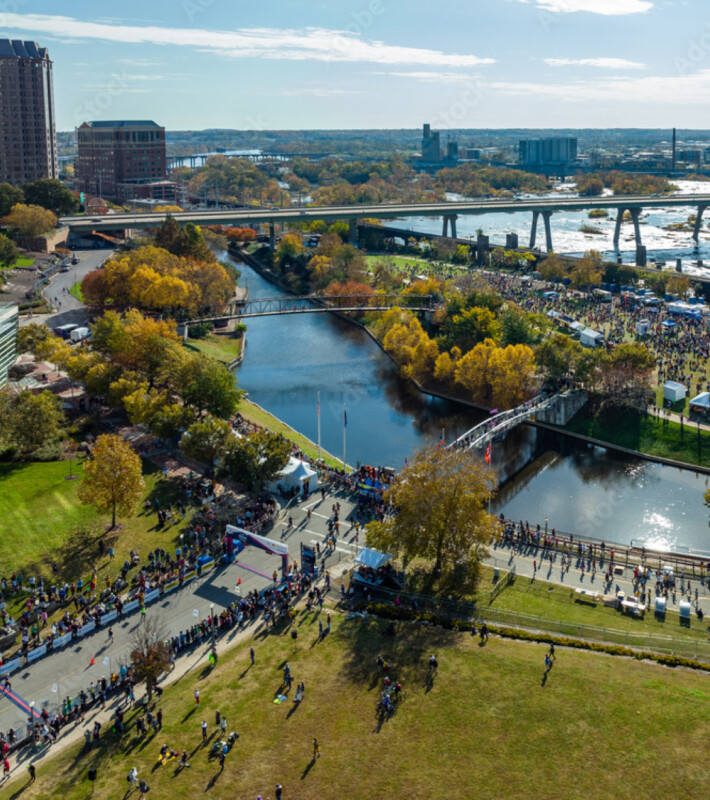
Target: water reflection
{"points": [[581, 489]]}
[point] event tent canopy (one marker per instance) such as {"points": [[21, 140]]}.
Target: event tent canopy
{"points": [[372, 558], [296, 475], [701, 401]]}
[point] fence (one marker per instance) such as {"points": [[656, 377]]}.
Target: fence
{"points": [[638, 640]]}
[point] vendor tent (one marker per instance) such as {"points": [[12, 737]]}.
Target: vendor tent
{"points": [[295, 475], [701, 403], [372, 558], [591, 338]]}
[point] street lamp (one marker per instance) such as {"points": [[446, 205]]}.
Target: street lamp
{"points": [[545, 526]]}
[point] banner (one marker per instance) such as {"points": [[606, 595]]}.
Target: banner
{"points": [[33, 655], [130, 606], [189, 576], [170, 586], [10, 666], [151, 596], [109, 617], [270, 545], [206, 566], [60, 641], [86, 628]]}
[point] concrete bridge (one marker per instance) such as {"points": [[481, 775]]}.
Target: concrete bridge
{"points": [[499, 424], [541, 208], [314, 304]]}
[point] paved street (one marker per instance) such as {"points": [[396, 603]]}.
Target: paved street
{"points": [[69, 670], [68, 308]]}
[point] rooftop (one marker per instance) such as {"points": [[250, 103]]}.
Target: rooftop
{"points": [[123, 123], [16, 48]]}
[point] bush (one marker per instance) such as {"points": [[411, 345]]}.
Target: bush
{"points": [[200, 330], [49, 451]]}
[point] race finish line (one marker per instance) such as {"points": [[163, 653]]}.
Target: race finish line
{"points": [[254, 570], [20, 702]]}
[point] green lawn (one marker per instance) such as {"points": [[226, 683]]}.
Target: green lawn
{"points": [[647, 435], [76, 292], [259, 416], [23, 262], [223, 348], [42, 521], [486, 727], [556, 602]]}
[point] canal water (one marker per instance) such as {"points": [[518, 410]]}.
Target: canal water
{"points": [[586, 491]]}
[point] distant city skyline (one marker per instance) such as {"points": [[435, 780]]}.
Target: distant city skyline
{"points": [[195, 64]]}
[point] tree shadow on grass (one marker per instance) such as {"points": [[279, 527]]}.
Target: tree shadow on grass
{"points": [[406, 653]]}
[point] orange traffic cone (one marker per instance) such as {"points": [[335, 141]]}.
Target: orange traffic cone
{"points": [[92, 662]]}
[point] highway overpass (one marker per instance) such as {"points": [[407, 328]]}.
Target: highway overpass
{"points": [[543, 207]]}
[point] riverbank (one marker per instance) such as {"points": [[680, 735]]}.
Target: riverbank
{"points": [[260, 416]]}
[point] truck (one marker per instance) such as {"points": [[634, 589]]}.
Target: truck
{"points": [[79, 334]]}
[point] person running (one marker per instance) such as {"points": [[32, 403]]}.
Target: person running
{"points": [[33, 772], [204, 730], [433, 665], [197, 698], [316, 748], [110, 635]]}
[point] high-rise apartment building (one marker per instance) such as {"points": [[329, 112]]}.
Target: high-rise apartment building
{"points": [[122, 160], [9, 325], [28, 148], [553, 150]]}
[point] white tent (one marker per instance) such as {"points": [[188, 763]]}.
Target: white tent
{"points": [[296, 475], [701, 403], [590, 338], [673, 391]]}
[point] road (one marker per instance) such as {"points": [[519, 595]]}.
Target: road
{"points": [[67, 671], [68, 308], [242, 216]]}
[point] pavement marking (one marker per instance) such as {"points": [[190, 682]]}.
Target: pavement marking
{"points": [[20, 702]]}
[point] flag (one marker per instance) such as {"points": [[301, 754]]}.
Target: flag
{"points": [[494, 411], [488, 453], [345, 418]]}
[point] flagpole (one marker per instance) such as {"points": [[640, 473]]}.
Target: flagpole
{"points": [[319, 426], [345, 440]]}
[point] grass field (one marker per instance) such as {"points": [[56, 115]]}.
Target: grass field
{"points": [[75, 291], [486, 727], [223, 348], [647, 435], [557, 602], [259, 416], [42, 521]]}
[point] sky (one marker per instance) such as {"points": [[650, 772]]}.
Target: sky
{"points": [[280, 64]]}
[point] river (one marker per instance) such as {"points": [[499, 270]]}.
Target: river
{"points": [[583, 490]]}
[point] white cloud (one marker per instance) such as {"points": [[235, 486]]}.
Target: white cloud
{"points": [[316, 92], [659, 90], [603, 63], [308, 44], [604, 7], [431, 77]]}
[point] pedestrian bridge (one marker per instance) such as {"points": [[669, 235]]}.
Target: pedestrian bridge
{"points": [[315, 304], [498, 425]]}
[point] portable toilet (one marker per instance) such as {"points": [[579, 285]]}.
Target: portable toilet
{"points": [[660, 607], [684, 611], [642, 327]]}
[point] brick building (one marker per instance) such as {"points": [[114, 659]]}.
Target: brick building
{"points": [[123, 161], [28, 148]]}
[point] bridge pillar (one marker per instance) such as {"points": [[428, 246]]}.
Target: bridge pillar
{"points": [[352, 233], [272, 237], [533, 229], [450, 219], [445, 227], [698, 223], [617, 227], [547, 215], [635, 213]]}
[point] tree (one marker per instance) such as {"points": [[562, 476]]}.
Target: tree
{"points": [[440, 509], [8, 252], [471, 326], [206, 384], [552, 269], [517, 326], [150, 652], [30, 220], [678, 285], [207, 440], [626, 375], [51, 194], [290, 247], [112, 478], [588, 272], [257, 459], [9, 196], [558, 356], [28, 420]]}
